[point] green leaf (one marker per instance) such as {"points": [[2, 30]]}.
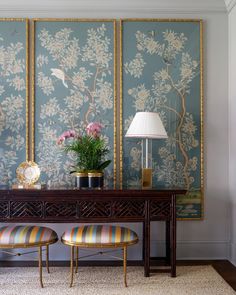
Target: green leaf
{"points": [[104, 165], [90, 153]]}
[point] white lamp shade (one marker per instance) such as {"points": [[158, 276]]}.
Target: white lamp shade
{"points": [[146, 125]]}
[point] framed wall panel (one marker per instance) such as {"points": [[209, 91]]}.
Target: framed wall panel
{"points": [[13, 97], [74, 83], [161, 71]]}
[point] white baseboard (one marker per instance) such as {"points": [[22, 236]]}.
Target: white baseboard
{"points": [[195, 250], [233, 253]]}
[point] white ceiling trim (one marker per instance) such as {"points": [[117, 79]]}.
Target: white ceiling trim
{"points": [[115, 9], [230, 4]]}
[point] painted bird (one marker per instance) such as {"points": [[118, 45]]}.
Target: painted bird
{"points": [[60, 75]]}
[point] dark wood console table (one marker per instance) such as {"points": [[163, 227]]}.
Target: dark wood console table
{"points": [[82, 206]]}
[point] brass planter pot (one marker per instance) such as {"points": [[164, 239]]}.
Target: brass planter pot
{"points": [[81, 180], [95, 180]]}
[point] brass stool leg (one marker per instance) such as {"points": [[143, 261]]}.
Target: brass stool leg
{"points": [[47, 258], [125, 265], [40, 266], [71, 266], [77, 260]]}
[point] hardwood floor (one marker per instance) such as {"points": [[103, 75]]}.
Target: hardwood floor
{"points": [[226, 269]]}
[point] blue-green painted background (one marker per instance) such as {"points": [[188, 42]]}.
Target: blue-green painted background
{"points": [[12, 98]]}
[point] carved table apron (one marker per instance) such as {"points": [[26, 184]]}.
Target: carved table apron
{"points": [[98, 206]]}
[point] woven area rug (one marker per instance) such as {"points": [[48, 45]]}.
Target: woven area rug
{"points": [[190, 280]]}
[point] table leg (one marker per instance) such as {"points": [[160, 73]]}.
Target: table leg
{"points": [[173, 237], [143, 249], [168, 242], [147, 242]]}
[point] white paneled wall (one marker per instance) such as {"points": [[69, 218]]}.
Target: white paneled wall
{"points": [[209, 238], [232, 128]]}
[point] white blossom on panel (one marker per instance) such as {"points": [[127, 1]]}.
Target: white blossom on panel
{"points": [[50, 109], [80, 78], [141, 97], [148, 44], [96, 51], [13, 106], [104, 95], [45, 83], [175, 44], [135, 67], [17, 83], [41, 60], [62, 48], [15, 142], [75, 101], [10, 63]]}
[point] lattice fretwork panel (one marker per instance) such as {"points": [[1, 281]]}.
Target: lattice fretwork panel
{"points": [[159, 209], [129, 208], [94, 209], [26, 209], [60, 209], [3, 209]]}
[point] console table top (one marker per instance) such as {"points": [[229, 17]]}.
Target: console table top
{"points": [[63, 192]]}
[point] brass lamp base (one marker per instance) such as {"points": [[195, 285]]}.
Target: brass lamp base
{"points": [[146, 178]]}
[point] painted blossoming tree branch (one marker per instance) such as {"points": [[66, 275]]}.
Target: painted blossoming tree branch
{"points": [[168, 96], [12, 106], [81, 67]]}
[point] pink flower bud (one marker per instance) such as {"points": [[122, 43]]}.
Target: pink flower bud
{"points": [[60, 140], [94, 129], [66, 134], [72, 133]]}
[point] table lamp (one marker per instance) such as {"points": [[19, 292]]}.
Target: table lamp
{"points": [[148, 126]]}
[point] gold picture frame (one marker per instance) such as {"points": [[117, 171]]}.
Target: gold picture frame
{"points": [[72, 20], [123, 96]]}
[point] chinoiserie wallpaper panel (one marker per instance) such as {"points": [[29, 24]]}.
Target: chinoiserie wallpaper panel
{"points": [[74, 84], [162, 72], [13, 97]]}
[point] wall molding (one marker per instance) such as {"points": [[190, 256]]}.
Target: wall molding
{"points": [[111, 9], [230, 5], [232, 257]]}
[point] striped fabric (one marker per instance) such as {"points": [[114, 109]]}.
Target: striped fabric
{"points": [[25, 234], [99, 234]]}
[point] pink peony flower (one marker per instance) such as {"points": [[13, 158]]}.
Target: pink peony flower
{"points": [[94, 129]]}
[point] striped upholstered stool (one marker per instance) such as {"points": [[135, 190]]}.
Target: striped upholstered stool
{"points": [[98, 236], [25, 236]]}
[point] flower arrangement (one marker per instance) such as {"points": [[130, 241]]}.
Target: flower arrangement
{"points": [[90, 148]]}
